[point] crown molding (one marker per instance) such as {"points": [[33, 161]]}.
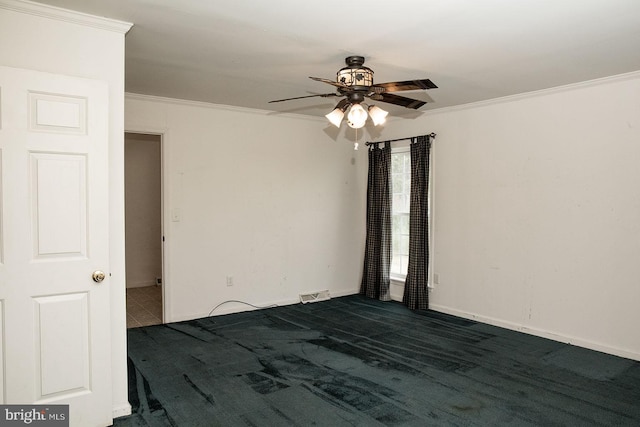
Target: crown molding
{"points": [[65, 15], [222, 107], [553, 90]]}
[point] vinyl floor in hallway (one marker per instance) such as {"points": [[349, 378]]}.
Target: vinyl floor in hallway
{"points": [[144, 306]]}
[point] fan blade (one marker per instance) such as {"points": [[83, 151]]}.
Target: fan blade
{"points": [[331, 82], [406, 85], [324, 95], [399, 100]]}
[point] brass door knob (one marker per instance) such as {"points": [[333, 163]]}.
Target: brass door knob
{"points": [[98, 276]]}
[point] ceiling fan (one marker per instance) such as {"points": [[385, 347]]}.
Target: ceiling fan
{"points": [[355, 83]]}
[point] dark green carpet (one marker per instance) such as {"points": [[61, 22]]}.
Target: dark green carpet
{"points": [[353, 361]]}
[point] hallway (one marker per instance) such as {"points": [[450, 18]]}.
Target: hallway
{"points": [[144, 306]]}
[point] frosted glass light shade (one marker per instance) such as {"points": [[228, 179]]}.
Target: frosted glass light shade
{"points": [[378, 115], [335, 117], [357, 116]]}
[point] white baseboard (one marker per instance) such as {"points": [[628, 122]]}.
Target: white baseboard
{"points": [[344, 293], [141, 284], [234, 307], [121, 410], [580, 342]]}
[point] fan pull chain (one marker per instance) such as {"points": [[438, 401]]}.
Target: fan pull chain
{"points": [[355, 144]]}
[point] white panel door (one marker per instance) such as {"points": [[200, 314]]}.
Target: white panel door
{"points": [[55, 318]]}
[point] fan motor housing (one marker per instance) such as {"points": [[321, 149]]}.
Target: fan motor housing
{"points": [[356, 97], [355, 74]]}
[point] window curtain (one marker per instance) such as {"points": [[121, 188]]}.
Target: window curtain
{"points": [[416, 292], [377, 256]]}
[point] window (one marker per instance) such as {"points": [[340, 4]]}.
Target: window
{"points": [[401, 190]]}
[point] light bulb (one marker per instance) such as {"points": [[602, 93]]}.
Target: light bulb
{"points": [[357, 116]]}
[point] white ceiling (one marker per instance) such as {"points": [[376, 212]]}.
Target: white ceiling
{"points": [[248, 52]]}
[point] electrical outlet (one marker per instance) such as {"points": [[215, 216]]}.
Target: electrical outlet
{"points": [[229, 280], [436, 279]]}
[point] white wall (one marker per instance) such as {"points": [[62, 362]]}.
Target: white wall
{"points": [[536, 209], [271, 200], [537, 213], [74, 47], [143, 203]]}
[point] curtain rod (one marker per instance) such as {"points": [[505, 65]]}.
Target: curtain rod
{"points": [[432, 135]]}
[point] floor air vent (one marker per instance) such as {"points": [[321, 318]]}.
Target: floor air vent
{"points": [[315, 297]]}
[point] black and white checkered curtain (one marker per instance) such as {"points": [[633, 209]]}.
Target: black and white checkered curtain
{"points": [[377, 256], [416, 292]]}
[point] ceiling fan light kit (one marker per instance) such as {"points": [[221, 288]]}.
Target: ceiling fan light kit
{"points": [[355, 83], [335, 116], [357, 116], [377, 114]]}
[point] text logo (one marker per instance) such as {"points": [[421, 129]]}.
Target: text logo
{"points": [[34, 415]]}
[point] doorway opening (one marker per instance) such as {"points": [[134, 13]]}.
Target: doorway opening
{"points": [[143, 228]]}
